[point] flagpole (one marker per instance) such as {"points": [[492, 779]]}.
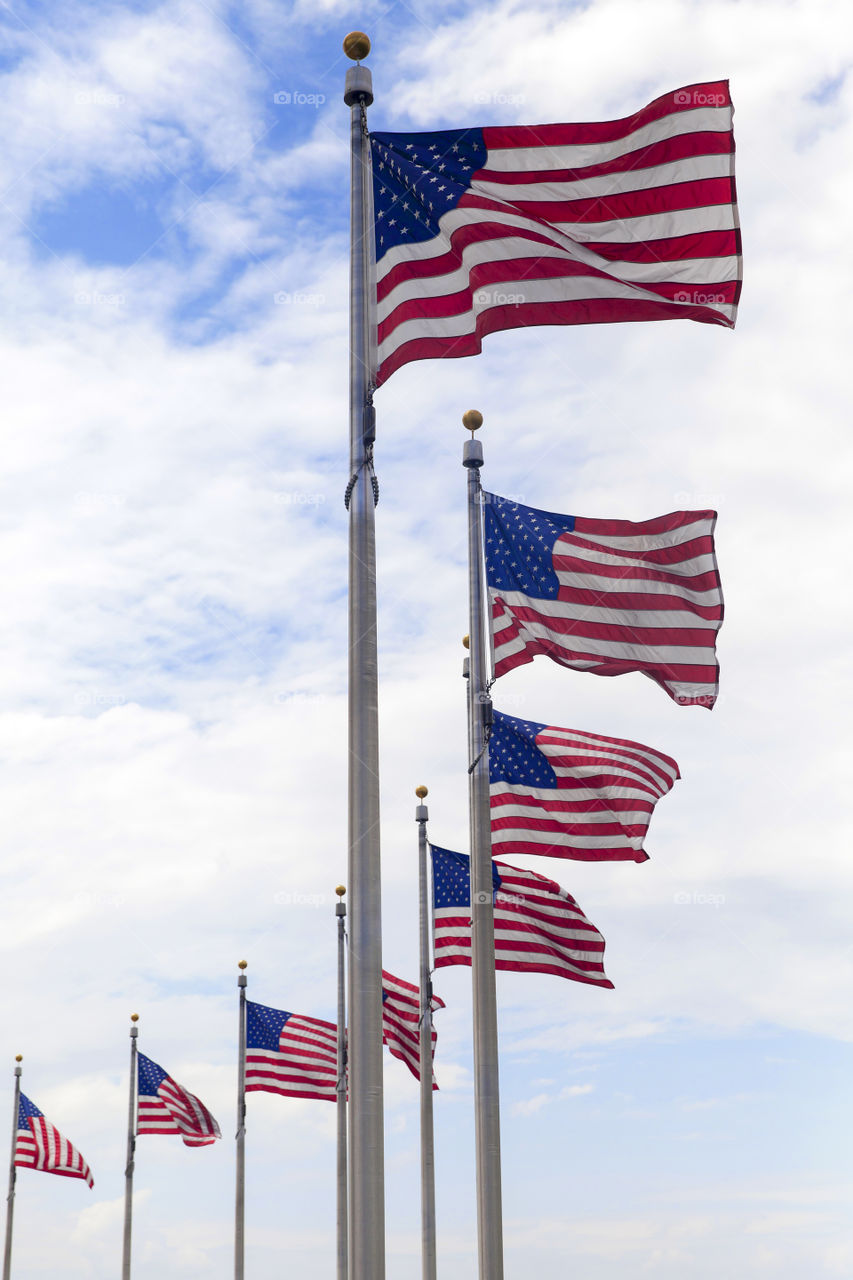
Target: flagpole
{"points": [[131, 1152], [10, 1199], [366, 1211], [240, 1198], [486, 1081], [428, 1258], [342, 1226]]}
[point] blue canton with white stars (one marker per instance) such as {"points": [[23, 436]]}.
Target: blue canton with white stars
{"points": [[150, 1076], [416, 178], [514, 756], [520, 546], [264, 1026], [451, 878], [27, 1111]]}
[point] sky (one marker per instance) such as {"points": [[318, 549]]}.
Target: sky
{"points": [[173, 343]]}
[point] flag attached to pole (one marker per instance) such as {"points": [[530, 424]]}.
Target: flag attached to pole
{"points": [[164, 1106], [479, 230], [607, 596], [564, 793], [39, 1145], [401, 1020], [290, 1054], [539, 928]]}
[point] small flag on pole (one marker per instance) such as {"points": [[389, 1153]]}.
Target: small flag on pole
{"points": [[479, 230], [38, 1145], [164, 1106], [607, 596], [290, 1054], [401, 1021], [564, 793], [539, 928]]}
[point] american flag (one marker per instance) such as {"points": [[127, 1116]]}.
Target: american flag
{"points": [[38, 1145], [164, 1106], [401, 1003], [290, 1054], [539, 928], [607, 596], [496, 228], [563, 793]]}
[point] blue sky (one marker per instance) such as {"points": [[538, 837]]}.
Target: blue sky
{"points": [[173, 338]]}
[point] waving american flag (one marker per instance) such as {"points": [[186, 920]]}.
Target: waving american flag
{"points": [[484, 229], [39, 1145], [539, 928], [401, 1021], [290, 1054], [166, 1107], [607, 596], [564, 793]]}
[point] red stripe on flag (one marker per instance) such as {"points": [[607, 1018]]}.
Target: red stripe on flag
{"points": [[713, 93], [530, 314], [672, 198], [684, 146]]}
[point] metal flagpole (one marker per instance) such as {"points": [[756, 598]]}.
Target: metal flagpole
{"points": [[428, 1262], [131, 1152], [240, 1199], [341, 913], [486, 1086], [10, 1199], [366, 1212]]}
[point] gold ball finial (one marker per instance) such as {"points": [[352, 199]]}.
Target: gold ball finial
{"points": [[466, 642], [134, 1017], [357, 45], [421, 792], [472, 420], [340, 890], [19, 1057], [242, 964]]}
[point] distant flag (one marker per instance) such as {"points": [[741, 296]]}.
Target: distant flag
{"points": [[607, 596], [539, 928], [290, 1054], [484, 229], [166, 1107], [38, 1145], [401, 1021], [564, 793]]}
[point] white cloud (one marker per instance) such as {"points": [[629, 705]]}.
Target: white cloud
{"points": [[529, 1106], [174, 562], [103, 1219]]}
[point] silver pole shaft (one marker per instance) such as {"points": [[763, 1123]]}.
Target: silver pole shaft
{"points": [[342, 1225], [366, 1130], [486, 1082], [428, 1258], [131, 1152], [10, 1199], [240, 1198]]}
